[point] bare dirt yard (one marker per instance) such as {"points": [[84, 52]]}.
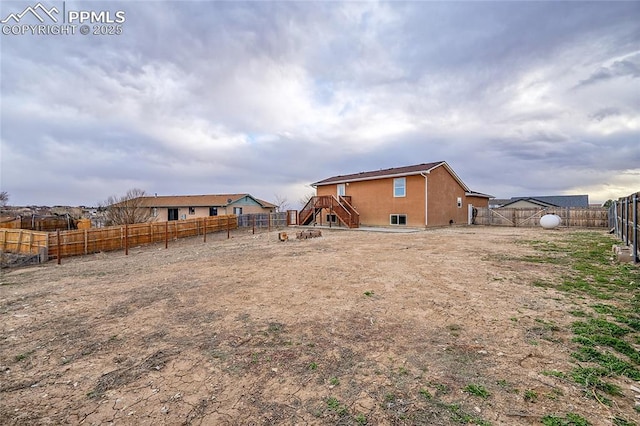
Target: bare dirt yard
{"points": [[437, 327]]}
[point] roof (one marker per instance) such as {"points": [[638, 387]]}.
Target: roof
{"points": [[478, 194], [553, 200], [213, 200], [533, 201], [389, 173]]}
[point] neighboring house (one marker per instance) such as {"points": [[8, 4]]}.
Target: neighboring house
{"points": [[175, 207], [422, 195], [545, 201]]}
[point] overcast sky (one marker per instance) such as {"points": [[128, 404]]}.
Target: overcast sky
{"points": [[197, 97]]}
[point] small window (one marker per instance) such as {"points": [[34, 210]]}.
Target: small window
{"points": [[154, 212], [237, 211], [398, 219], [341, 190], [332, 218], [459, 202], [192, 210], [213, 211], [400, 187]]}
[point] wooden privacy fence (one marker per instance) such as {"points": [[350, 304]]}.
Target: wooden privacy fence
{"points": [[84, 241], [623, 221], [24, 241], [45, 223], [10, 222], [530, 217]]}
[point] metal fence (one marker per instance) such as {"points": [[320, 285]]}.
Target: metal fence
{"points": [[263, 220], [623, 221]]}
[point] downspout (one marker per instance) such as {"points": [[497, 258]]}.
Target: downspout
{"points": [[636, 258], [426, 199]]}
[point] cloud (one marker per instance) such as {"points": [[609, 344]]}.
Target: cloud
{"points": [[267, 97], [627, 67]]}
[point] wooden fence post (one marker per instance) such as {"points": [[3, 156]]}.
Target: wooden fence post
{"points": [[86, 242], [126, 239], [30, 241], [166, 235], [204, 229], [253, 224], [228, 224], [59, 252]]}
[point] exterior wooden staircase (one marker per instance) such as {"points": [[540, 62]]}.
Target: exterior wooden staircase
{"points": [[341, 207]]}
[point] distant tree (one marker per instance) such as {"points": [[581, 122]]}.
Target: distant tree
{"points": [[4, 198], [607, 204], [126, 209], [281, 202], [305, 199]]}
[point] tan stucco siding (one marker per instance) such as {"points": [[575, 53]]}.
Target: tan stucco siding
{"points": [[374, 199], [249, 209], [443, 194], [478, 201], [375, 202], [183, 212]]}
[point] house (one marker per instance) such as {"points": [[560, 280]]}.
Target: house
{"points": [[543, 202], [175, 207], [422, 195]]}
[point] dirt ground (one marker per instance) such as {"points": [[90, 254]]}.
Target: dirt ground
{"points": [[351, 328]]}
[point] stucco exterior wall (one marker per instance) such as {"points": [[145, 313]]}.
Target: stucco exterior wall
{"points": [[183, 212], [443, 192], [478, 201], [375, 202]]}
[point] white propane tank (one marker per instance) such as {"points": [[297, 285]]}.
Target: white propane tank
{"points": [[550, 221]]}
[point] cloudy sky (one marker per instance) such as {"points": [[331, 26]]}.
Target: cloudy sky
{"points": [[199, 97]]}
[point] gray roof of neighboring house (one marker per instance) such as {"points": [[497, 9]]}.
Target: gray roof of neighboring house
{"points": [[551, 200]]}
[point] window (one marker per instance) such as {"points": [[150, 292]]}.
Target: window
{"points": [[459, 202], [341, 190], [237, 211], [213, 211], [192, 210], [154, 212], [172, 214], [398, 219], [400, 187], [332, 218]]}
